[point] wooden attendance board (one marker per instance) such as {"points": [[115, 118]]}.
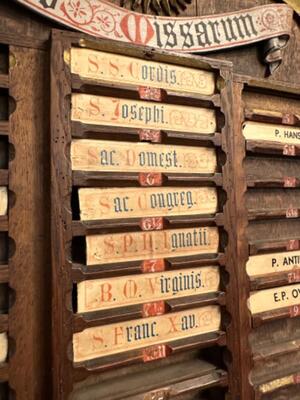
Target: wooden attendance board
{"points": [[116, 338], [110, 111], [139, 292], [117, 69], [101, 294], [121, 247], [267, 168], [114, 203], [97, 155]]}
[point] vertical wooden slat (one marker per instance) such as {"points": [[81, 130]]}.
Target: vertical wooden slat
{"points": [[29, 227], [61, 220]]}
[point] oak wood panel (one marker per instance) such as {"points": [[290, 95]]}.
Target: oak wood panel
{"points": [[29, 264]]}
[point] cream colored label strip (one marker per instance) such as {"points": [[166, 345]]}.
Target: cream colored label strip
{"points": [[130, 246], [110, 111], [125, 336], [273, 133], [102, 294], [115, 203], [117, 69], [108, 156], [273, 299]]}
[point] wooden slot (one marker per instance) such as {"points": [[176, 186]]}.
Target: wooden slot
{"points": [[275, 339], [101, 341], [81, 130], [162, 381], [82, 272], [82, 228], [275, 117], [281, 172], [96, 66], [138, 114], [272, 203], [99, 179]]}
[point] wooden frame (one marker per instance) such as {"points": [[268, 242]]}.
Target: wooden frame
{"points": [[26, 222], [64, 228], [262, 102]]}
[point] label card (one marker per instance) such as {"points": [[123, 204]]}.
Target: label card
{"points": [[130, 335], [273, 133], [102, 294], [114, 203], [3, 200], [273, 299], [117, 69], [108, 156], [130, 246], [265, 264], [100, 110]]}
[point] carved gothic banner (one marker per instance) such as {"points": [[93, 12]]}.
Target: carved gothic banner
{"points": [[186, 34], [273, 263], [124, 336]]}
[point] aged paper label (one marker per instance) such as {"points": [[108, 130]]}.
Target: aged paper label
{"points": [[3, 200], [271, 263], [125, 336], [101, 294], [115, 203], [3, 347], [117, 69], [130, 246], [273, 133], [273, 299], [99, 110], [277, 383], [101, 155]]}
